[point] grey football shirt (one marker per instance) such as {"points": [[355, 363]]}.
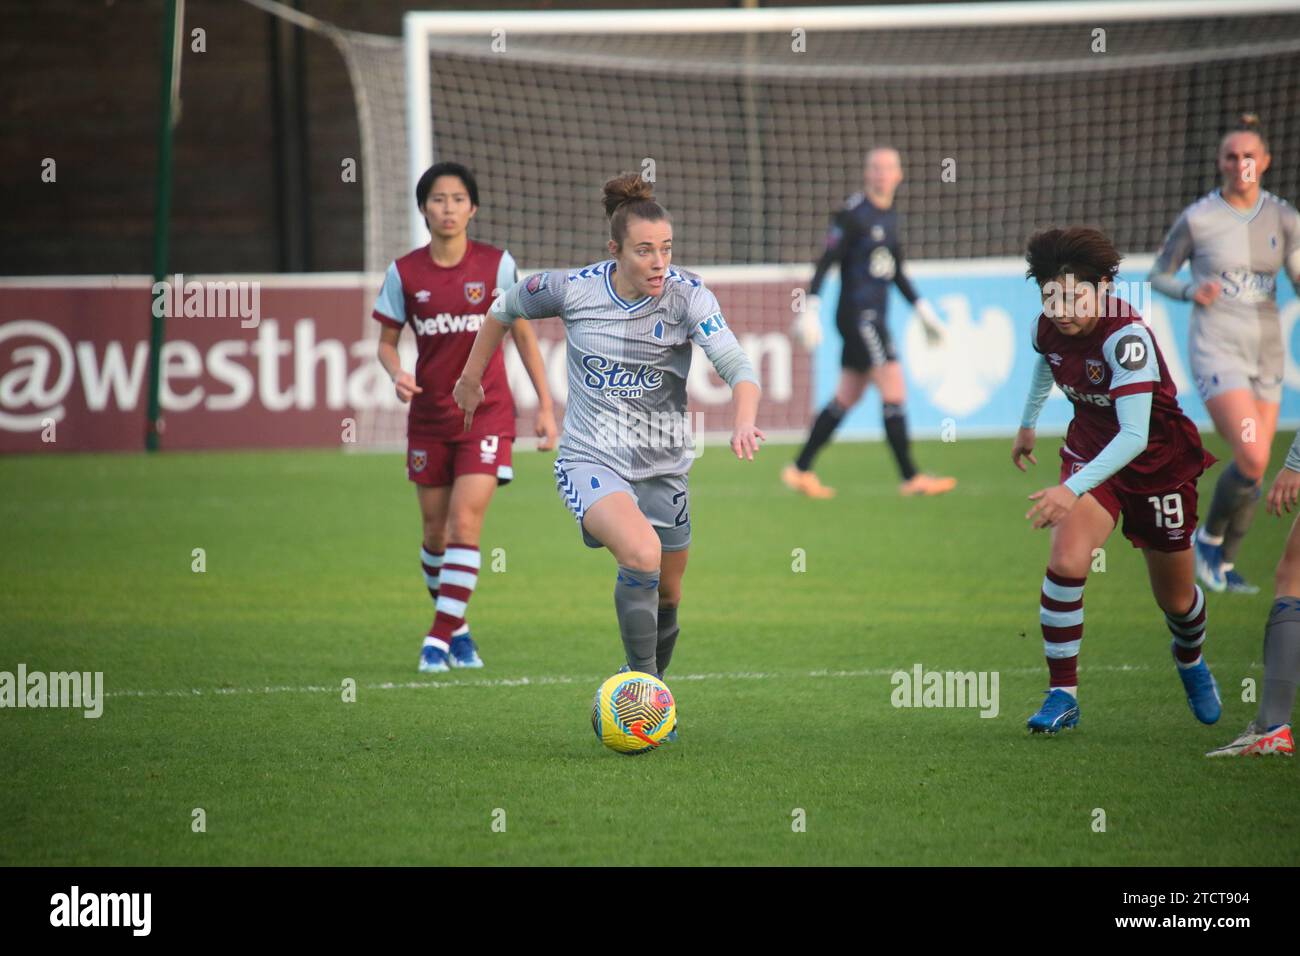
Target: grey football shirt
{"points": [[1242, 250], [628, 363]]}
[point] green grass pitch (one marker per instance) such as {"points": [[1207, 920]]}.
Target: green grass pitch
{"points": [[224, 687]]}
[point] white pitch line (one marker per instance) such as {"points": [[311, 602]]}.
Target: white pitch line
{"points": [[435, 684]]}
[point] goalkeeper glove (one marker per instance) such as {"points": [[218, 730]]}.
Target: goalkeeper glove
{"points": [[935, 332], [808, 324]]}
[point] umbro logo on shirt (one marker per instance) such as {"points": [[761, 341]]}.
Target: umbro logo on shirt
{"points": [[423, 295]]}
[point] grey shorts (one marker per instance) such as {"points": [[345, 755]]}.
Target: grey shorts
{"points": [[664, 500], [1249, 358]]}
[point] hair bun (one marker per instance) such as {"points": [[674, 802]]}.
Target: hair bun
{"points": [[626, 187]]}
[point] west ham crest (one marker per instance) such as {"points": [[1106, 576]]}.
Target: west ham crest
{"points": [[418, 460], [1096, 370], [474, 292]]}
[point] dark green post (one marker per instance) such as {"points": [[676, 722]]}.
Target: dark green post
{"points": [[161, 219]]}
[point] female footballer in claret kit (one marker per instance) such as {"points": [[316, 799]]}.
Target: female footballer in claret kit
{"points": [[629, 322], [442, 291], [1129, 452]]}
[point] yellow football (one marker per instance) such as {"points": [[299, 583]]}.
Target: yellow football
{"points": [[633, 712]]}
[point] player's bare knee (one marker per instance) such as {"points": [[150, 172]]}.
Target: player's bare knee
{"points": [[1252, 462], [1286, 579], [644, 554], [1177, 602], [435, 535], [464, 529], [1070, 563]]}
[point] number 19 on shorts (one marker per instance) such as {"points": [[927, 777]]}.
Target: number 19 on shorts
{"points": [[1169, 510]]}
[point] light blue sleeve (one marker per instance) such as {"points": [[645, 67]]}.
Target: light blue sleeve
{"points": [[1134, 413], [707, 328], [1040, 386], [507, 274], [390, 307]]}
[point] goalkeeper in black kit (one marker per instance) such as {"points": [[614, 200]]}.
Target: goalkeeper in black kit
{"points": [[863, 240]]}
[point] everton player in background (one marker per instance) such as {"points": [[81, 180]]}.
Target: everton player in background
{"points": [[1129, 451], [863, 240], [1238, 238], [443, 291], [630, 322]]}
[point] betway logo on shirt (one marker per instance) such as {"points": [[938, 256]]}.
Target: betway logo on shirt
{"points": [[445, 322], [1088, 398], [617, 380]]}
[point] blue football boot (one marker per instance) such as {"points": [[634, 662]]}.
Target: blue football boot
{"points": [[1236, 584], [433, 660], [1202, 691], [464, 652], [1060, 711], [1209, 565]]}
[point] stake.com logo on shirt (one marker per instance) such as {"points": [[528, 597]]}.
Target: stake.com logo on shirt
{"points": [[616, 380]]}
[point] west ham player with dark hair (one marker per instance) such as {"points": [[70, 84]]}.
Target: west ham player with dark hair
{"points": [[630, 323], [863, 240], [1129, 451], [442, 291], [1269, 733], [1238, 238]]}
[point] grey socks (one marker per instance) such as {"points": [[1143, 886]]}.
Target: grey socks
{"points": [[636, 600], [667, 637], [1281, 663], [1232, 509]]}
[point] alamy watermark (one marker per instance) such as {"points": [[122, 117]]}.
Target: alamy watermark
{"points": [[208, 300], [75, 908], [921, 688], [73, 689], [1109, 294], [682, 431]]}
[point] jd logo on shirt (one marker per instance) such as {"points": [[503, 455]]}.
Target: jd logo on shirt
{"points": [[1131, 352], [617, 380]]}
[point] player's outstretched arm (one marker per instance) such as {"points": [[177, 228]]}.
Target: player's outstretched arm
{"points": [[390, 312], [535, 297], [1174, 251], [1040, 386], [526, 342], [468, 391], [1286, 486], [709, 330], [403, 382], [745, 435], [1134, 414]]}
